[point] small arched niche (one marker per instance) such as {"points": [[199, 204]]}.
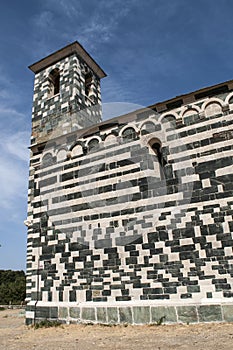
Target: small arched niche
{"points": [[77, 151], [48, 160], [169, 122], [212, 109], [61, 155], [93, 145], [129, 134], [110, 139], [190, 112], [54, 82], [148, 128]]}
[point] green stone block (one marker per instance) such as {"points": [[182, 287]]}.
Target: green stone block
{"points": [[101, 315], [166, 314], [75, 312], [29, 321], [227, 313], [112, 315], [193, 289], [125, 314], [63, 312], [46, 312], [88, 314], [141, 314], [187, 314], [210, 313]]}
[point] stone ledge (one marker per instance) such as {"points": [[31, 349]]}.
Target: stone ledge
{"points": [[138, 314]]}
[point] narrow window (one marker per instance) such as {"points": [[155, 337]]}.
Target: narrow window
{"points": [[88, 82], [156, 148], [54, 82]]}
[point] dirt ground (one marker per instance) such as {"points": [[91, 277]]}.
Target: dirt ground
{"points": [[14, 335]]}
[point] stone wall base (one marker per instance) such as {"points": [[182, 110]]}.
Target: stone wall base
{"points": [[131, 314]]}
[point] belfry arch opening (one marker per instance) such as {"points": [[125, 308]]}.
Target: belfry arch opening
{"points": [[88, 82], [54, 82]]}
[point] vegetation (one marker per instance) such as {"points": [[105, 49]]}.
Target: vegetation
{"points": [[47, 324], [12, 287]]}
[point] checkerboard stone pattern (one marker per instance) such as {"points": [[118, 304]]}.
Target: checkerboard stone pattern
{"points": [[120, 233]]}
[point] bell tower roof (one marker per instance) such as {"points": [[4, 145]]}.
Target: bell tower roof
{"points": [[66, 51]]}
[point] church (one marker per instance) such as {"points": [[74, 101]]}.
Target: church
{"points": [[130, 220]]}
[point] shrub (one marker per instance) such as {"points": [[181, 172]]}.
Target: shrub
{"points": [[47, 324]]}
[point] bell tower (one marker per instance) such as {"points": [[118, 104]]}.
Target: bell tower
{"points": [[66, 83], [66, 100]]}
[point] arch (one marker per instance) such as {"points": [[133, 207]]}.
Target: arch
{"points": [[129, 125], [48, 160], [212, 106], [190, 110], [110, 139], [156, 146], [128, 133], [229, 98], [168, 121], [174, 115], [210, 100], [54, 82], [61, 154], [147, 127], [154, 140], [77, 150], [93, 144]]}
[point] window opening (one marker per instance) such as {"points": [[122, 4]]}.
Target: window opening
{"points": [[54, 82], [88, 82]]}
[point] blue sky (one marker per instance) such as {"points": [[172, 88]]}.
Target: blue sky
{"points": [[151, 50]]}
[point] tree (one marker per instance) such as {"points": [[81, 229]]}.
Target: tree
{"points": [[12, 287]]}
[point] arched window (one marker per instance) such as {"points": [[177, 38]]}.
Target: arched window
{"points": [[88, 82], [129, 134], [156, 148], [54, 82]]}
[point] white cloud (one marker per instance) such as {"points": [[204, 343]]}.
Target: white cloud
{"points": [[10, 111], [43, 20], [91, 23], [13, 181], [14, 157], [10, 119], [71, 8], [16, 144]]}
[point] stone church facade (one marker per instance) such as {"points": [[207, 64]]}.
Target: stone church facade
{"points": [[129, 219]]}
